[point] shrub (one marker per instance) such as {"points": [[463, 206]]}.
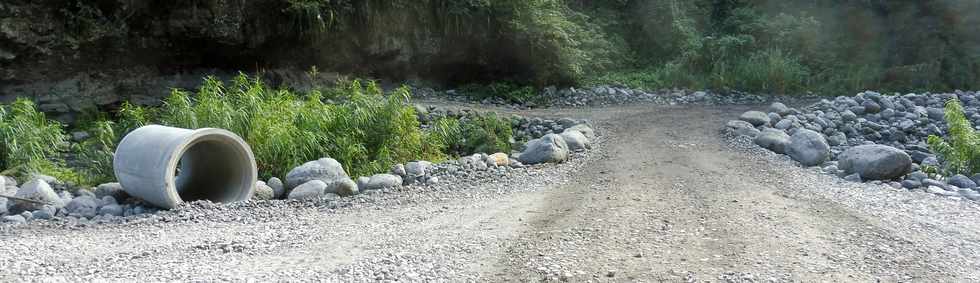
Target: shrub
{"points": [[367, 133], [960, 150], [31, 142], [480, 134]]}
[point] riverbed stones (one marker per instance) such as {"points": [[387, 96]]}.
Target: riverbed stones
{"points": [[876, 162], [742, 128], [756, 118], [37, 190], [808, 147], [773, 139]]}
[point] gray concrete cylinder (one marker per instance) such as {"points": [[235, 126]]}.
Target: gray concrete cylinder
{"points": [[166, 166]]}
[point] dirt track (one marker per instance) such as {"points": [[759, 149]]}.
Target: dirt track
{"points": [[665, 198]]}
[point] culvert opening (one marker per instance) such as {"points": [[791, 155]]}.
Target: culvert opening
{"points": [[212, 168]]}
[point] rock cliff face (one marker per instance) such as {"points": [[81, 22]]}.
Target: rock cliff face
{"points": [[74, 55]]}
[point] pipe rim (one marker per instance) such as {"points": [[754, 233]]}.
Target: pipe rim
{"points": [[247, 180]]}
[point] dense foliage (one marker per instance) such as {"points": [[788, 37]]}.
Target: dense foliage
{"points": [[960, 150], [367, 131], [775, 46]]}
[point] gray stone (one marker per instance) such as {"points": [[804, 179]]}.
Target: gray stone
{"points": [[784, 124], [310, 190], [112, 209], [399, 170], [111, 189], [549, 148], [417, 169], [933, 182], [382, 181], [742, 128], [278, 189], [43, 214], [773, 139], [584, 129], [16, 219], [575, 140], [911, 184], [38, 190], [83, 206], [344, 188], [918, 176], [263, 191], [362, 183], [779, 108], [808, 147], [876, 162], [326, 170], [756, 118], [962, 182]]}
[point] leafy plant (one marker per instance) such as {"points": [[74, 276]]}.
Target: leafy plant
{"points": [[31, 142], [960, 150]]}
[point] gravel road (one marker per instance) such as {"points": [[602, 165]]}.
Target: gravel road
{"points": [[664, 197]]}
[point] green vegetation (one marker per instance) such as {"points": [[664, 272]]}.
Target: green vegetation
{"points": [[367, 132], [487, 133], [960, 151], [31, 142]]}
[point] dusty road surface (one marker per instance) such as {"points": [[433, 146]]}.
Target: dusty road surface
{"points": [[664, 198]]}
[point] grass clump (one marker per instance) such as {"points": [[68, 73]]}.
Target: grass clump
{"points": [[482, 133], [31, 142], [367, 132], [960, 150]]}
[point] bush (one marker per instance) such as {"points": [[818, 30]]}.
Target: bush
{"points": [[31, 142], [480, 134], [960, 151], [367, 133]]}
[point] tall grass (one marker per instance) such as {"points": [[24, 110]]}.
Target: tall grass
{"points": [[31, 142], [960, 150], [367, 132]]}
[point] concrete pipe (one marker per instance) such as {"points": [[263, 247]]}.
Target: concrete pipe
{"points": [[166, 166]]}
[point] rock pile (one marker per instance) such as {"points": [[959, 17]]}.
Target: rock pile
{"points": [[602, 96], [44, 197], [867, 137]]}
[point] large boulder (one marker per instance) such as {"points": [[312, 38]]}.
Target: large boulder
{"points": [[808, 147], [575, 140], [756, 118], [310, 190], [382, 181], [875, 162], [549, 148], [327, 170], [37, 190], [773, 139]]}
